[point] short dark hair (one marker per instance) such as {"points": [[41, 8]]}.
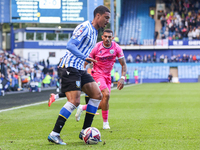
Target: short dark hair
{"points": [[101, 10], [108, 31]]}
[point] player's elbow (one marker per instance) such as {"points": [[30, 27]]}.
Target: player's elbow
{"points": [[69, 46]]}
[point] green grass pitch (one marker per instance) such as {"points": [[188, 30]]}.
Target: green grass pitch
{"points": [[160, 116]]}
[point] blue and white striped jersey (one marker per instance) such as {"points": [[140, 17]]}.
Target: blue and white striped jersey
{"points": [[86, 35]]}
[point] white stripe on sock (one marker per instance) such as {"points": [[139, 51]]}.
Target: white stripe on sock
{"points": [[69, 106], [94, 102]]}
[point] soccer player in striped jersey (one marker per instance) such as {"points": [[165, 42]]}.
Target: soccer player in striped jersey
{"points": [[105, 52], [75, 78]]}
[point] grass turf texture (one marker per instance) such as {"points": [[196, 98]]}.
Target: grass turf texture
{"points": [[142, 117]]}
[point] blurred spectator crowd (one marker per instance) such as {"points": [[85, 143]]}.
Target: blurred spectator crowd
{"points": [[162, 58], [181, 21], [17, 74]]}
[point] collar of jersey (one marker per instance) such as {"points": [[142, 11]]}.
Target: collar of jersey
{"points": [[93, 26], [107, 47]]}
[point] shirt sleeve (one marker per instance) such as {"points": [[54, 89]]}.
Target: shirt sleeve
{"points": [[80, 33], [120, 53], [72, 47]]}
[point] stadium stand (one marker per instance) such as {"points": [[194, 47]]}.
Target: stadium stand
{"points": [[158, 72], [135, 21], [136, 28], [187, 72], [181, 20], [22, 75]]}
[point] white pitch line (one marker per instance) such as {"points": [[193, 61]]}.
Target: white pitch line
{"points": [[56, 100]]}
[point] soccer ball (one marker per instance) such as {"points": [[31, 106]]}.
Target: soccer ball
{"points": [[91, 135]]}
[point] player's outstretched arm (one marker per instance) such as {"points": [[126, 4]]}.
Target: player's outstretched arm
{"points": [[120, 83], [72, 47]]}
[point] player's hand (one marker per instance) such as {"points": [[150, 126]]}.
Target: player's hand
{"points": [[120, 84], [85, 64], [90, 59]]}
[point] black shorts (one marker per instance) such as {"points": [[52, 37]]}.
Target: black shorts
{"points": [[74, 79]]}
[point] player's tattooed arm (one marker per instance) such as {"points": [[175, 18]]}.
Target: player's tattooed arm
{"points": [[122, 61], [120, 84]]}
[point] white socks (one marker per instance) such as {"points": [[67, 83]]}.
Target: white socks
{"points": [[57, 96], [54, 133]]}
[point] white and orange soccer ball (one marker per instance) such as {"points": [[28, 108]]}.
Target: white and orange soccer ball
{"points": [[91, 135]]}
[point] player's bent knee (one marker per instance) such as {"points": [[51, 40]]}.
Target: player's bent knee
{"points": [[100, 96], [107, 96], [76, 102]]}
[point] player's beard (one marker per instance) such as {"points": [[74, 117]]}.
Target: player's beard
{"points": [[107, 44]]}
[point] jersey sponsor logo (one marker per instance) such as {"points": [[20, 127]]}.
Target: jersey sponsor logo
{"points": [[79, 32], [105, 58], [78, 83], [112, 51]]}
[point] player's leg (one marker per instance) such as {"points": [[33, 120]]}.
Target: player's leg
{"points": [[104, 106], [135, 79], [100, 80], [81, 108], [90, 87], [112, 79], [70, 84], [86, 98], [54, 97], [57, 84], [65, 112]]}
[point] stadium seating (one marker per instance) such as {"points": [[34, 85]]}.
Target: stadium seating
{"points": [[135, 21], [148, 71], [188, 71], [172, 17]]}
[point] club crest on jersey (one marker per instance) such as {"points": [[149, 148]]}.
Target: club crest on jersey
{"points": [[78, 83], [99, 83], [112, 51]]}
